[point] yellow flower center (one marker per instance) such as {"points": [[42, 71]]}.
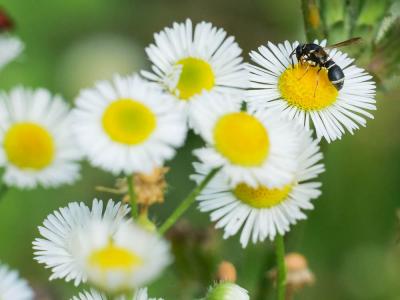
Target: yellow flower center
{"points": [[29, 146], [242, 139], [261, 197], [128, 122], [114, 257], [195, 76], [307, 89]]}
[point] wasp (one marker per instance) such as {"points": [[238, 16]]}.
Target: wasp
{"points": [[315, 55]]}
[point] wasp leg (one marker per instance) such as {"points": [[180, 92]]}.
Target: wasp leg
{"points": [[316, 86], [308, 67], [291, 57]]}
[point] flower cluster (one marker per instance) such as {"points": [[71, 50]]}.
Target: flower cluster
{"points": [[256, 173]]}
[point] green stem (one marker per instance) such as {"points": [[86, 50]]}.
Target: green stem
{"points": [[313, 24], [280, 259], [132, 197], [3, 191], [264, 285], [185, 204]]}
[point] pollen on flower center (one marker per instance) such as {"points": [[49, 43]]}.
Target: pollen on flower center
{"points": [[114, 257], [29, 146], [195, 76], [261, 197], [242, 139], [128, 122], [307, 89]]}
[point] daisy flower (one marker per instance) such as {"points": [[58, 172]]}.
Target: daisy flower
{"points": [[255, 148], [37, 145], [187, 61], [56, 249], [12, 287], [141, 294], [305, 94], [128, 125], [262, 211], [123, 260], [92, 295], [227, 291], [10, 48]]}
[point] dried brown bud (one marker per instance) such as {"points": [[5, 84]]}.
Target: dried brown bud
{"points": [[295, 262], [226, 272], [150, 188], [298, 273]]}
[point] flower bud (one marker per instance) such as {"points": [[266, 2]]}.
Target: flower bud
{"points": [[227, 291], [226, 272], [150, 188], [298, 274]]}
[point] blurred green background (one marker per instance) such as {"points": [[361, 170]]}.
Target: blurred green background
{"points": [[350, 238]]}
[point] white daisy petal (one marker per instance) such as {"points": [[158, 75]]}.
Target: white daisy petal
{"points": [[12, 287], [140, 294], [10, 48]]}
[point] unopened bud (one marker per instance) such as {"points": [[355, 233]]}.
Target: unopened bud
{"points": [[226, 272], [227, 291], [298, 273]]}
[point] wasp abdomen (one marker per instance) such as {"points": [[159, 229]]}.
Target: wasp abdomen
{"points": [[335, 74]]}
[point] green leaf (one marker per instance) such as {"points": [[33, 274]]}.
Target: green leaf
{"points": [[333, 11], [372, 11]]}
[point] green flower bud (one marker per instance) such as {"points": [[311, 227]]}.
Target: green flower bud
{"points": [[227, 291]]}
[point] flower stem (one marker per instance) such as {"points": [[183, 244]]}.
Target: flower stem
{"points": [[132, 197], [312, 20], [264, 285], [185, 204], [3, 191], [280, 259]]}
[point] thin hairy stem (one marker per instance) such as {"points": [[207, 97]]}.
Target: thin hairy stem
{"points": [[132, 197], [280, 259], [3, 191], [185, 204], [264, 285]]}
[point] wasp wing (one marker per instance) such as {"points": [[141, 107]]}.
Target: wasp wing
{"points": [[344, 43]]}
